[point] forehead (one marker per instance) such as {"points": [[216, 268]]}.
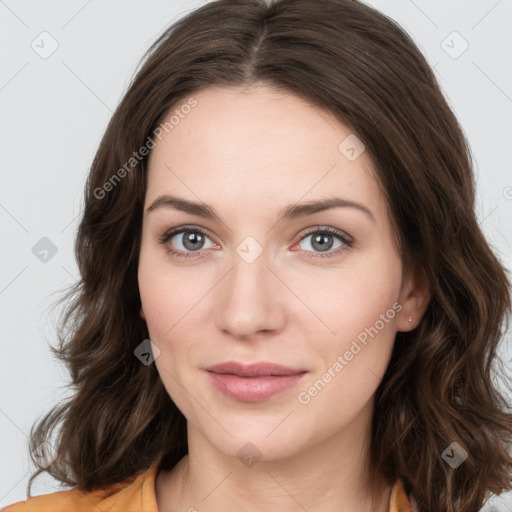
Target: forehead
{"points": [[257, 145]]}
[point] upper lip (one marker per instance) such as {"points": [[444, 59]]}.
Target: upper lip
{"points": [[253, 370]]}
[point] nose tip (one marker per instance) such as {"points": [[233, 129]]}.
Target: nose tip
{"points": [[249, 300]]}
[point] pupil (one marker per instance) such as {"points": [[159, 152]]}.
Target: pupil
{"points": [[194, 239], [323, 241]]}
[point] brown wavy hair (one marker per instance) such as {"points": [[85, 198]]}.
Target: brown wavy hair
{"points": [[349, 59]]}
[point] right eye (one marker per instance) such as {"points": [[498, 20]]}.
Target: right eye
{"points": [[185, 241]]}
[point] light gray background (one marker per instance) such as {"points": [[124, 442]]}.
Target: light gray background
{"points": [[55, 110]]}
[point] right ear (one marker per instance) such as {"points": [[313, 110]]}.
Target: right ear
{"points": [[141, 312]]}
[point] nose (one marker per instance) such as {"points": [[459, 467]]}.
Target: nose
{"points": [[250, 299]]}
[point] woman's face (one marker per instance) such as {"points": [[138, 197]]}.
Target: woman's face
{"points": [[318, 290]]}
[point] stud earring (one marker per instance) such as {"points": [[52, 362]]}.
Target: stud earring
{"points": [[410, 318]]}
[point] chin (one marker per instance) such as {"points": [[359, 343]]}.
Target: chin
{"points": [[254, 439]]}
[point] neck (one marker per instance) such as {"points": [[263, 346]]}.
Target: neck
{"points": [[330, 475]]}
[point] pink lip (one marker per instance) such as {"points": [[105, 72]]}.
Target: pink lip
{"points": [[254, 382]]}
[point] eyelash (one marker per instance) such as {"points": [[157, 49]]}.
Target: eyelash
{"points": [[347, 241]]}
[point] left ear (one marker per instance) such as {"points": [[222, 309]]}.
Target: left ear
{"points": [[414, 298]]}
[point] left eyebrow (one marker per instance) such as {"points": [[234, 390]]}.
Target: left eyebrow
{"points": [[298, 210], [290, 212]]}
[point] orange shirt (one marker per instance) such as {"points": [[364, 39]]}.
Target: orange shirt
{"points": [[135, 494]]}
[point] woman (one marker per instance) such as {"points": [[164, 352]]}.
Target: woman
{"points": [[286, 300]]}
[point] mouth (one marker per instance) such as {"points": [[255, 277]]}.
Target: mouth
{"points": [[254, 382]]}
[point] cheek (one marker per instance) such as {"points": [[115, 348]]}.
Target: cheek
{"points": [[172, 307], [351, 364], [358, 309], [157, 303], [163, 308], [168, 295], [354, 297]]}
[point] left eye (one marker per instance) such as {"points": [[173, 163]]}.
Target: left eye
{"points": [[323, 241]]}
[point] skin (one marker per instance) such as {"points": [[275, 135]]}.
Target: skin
{"points": [[248, 153]]}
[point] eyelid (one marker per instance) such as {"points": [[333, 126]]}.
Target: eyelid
{"points": [[171, 232], [328, 229]]}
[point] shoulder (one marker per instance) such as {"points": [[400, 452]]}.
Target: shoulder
{"points": [[73, 499], [135, 494], [400, 501]]}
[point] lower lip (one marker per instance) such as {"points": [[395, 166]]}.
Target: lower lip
{"points": [[253, 389]]}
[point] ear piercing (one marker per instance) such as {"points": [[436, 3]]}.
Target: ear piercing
{"points": [[410, 318]]}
